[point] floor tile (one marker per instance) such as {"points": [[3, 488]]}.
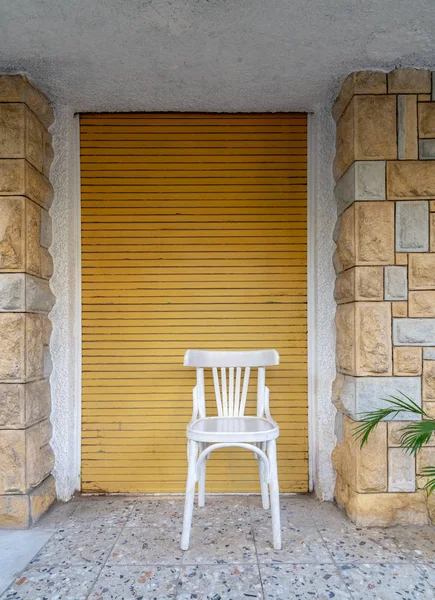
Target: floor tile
{"points": [[56, 582], [415, 543], [222, 510], [228, 582], [299, 545], [145, 583], [220, 545], [78, 546], [293, 513], [157, 512], [102, 512], [328, 514], [361, 545], [17, 548], [386, 582], [285, 582], [57, 514], [147, 546]]}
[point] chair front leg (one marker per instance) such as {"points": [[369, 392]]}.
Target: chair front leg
{"points": [[202, 475], [274, 494], [190, 493]]}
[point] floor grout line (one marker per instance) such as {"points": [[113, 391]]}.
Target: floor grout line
{"points": [[256, 551]]}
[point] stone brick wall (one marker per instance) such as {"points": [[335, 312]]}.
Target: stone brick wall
{"points": [[385, 285], [26, 458]]}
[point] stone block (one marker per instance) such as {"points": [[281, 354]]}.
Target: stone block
{"points": [[422, 304], [34, 347], [33, 248], [432, 205], [359, 283], [407, 139], [382, 509], [346, 241], [432, 232], [46, 229], [409, 81], [12, 462], [47, 328], [359, 82], [12, 347], [424, 97], [12, 130], [396, 283], [364, 469], [414, 332], [428, 381], [46, 263], [39, 454], [19, 178], [401, 471], [39, 297], [17, 88], [364, 338], [48, 154], [344, 142], [429, 353], [336, 232], [363, 181], [12, 237], [395, 432], [412, 226], [374, 233], [34, 140], [20, 292], [345, 338], [422, 271], [48, 363], [41, 498], [425, 458], [359, 395], [23, 404], [401, 259], [399, 309], [366, 131], [426, 149], [426, 120], [410, 180], [429, 407], [20, 511], [407, 361], [12, 292]]}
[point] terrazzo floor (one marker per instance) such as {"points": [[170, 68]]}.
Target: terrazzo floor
{"points": [[128, 547]]}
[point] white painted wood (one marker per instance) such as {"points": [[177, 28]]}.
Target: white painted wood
{"points": [[190, 493], [231, 428], [217, 358]]}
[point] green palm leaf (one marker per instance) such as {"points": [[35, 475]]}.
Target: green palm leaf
{"points": [[416, 435], [430, 484], [395, 405]]}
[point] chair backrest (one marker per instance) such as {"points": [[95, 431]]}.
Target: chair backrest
{"points": [[231, 388]]}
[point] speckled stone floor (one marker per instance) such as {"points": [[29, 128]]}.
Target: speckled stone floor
{"points": [[128, 547]]}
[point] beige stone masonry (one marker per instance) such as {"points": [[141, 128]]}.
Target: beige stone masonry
{"points": [[26, 457], [407, 361], [410, 180], [366, 131], [426, 120], [409, 81], [385, 284]]}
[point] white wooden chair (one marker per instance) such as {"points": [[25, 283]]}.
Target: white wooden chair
{"points": [[231, 427]]}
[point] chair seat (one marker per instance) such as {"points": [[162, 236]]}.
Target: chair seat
{"points": [[233, 429]]}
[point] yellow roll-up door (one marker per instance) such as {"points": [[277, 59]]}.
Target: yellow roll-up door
{"points": [[193, 236]]}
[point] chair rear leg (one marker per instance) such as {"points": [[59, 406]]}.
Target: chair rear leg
{"points": [[202, 475], [274, 494], [190, 493], [263, 483]]}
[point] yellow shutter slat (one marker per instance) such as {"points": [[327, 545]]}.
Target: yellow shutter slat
{"points": [[193, 235]]}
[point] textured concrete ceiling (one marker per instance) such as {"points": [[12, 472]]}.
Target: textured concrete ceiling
{"points": [[215, 55]]}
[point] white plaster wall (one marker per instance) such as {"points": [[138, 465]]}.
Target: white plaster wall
{"points": [[65, 283], [65, 341]]}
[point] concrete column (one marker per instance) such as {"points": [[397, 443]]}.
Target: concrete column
{"points": [[26, 458]]}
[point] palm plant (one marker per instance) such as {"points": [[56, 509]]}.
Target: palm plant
{"points": [[414, 435]]}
